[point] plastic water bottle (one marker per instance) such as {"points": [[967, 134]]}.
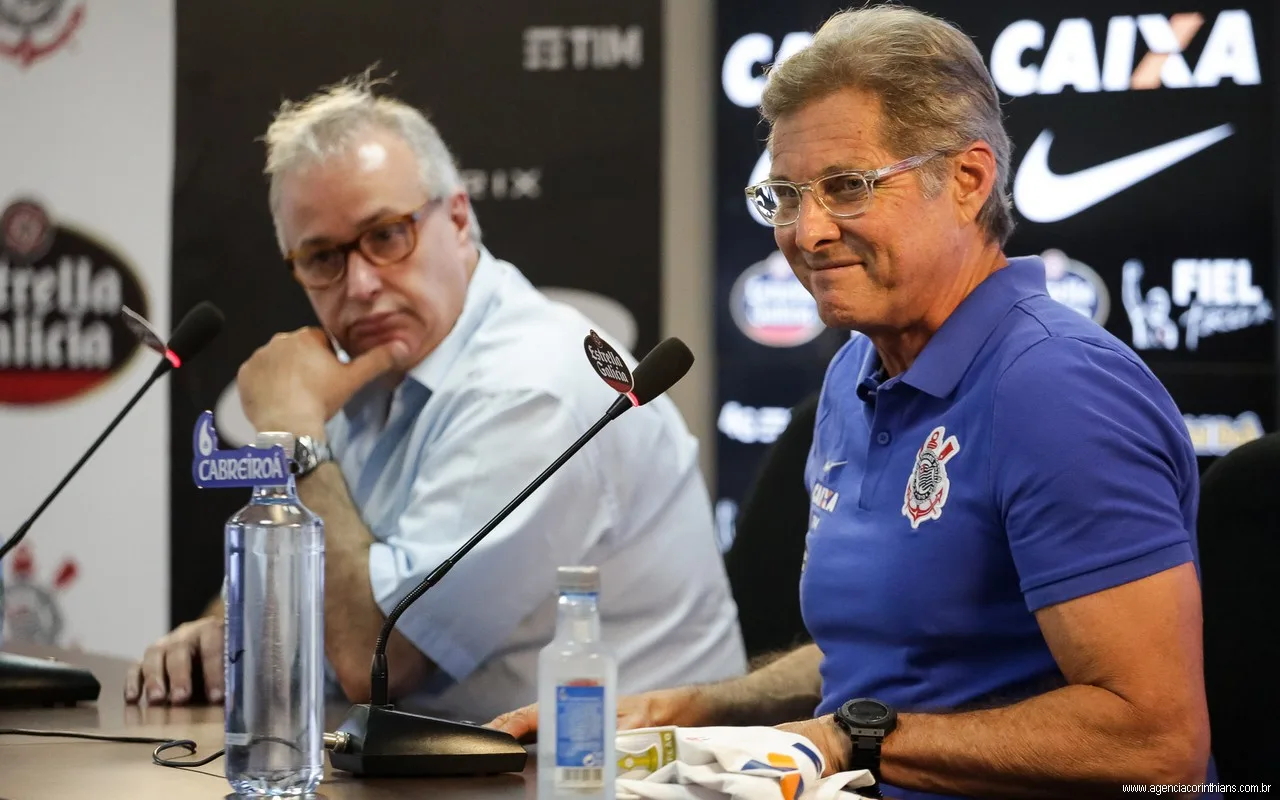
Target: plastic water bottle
{"points": [[274, 646], [577, 697]]}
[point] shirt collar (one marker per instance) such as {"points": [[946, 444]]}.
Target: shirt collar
{"points": [[430, 372], [954, 346]]}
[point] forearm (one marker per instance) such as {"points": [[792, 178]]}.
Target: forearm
{"points": [[1072, 742], [785, 689], [352, 618]]}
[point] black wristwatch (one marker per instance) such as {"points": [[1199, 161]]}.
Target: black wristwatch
{"points": [[867, 722]]}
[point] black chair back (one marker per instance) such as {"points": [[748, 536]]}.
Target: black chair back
{"points": [[1239, 535], [764, 560]]}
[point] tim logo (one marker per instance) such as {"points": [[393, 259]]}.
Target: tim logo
{"points": [[824, 498], [33, 29], [1107, 59], [581, 47]]}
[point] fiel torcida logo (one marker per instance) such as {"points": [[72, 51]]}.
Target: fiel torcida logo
{"points": [[61, 293]]}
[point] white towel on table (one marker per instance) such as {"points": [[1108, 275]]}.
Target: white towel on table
{"points": [[723, 763]]}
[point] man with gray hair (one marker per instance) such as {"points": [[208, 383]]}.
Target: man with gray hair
{"points": [[1001, 575], [449, 385]]}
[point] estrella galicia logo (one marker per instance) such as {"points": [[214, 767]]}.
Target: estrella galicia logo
{"points": [[1076, 285], [62, 333], [772, 307], [247, 466]]}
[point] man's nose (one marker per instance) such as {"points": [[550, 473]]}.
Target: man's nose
{"points": [[814, 226], [363, 280]]}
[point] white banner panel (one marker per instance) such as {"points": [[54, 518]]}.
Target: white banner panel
{"points": [[86, 151]]}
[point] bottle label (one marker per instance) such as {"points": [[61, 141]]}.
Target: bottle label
{"points": [[580, 735], [247, 467]]}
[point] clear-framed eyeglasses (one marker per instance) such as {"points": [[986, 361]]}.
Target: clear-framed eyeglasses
{"points": [[842, 194]]}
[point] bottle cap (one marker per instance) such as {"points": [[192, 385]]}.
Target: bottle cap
{"points": [[578, 579]]}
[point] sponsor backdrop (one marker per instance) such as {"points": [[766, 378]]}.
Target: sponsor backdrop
{"points": [[552, 109], [84, 229], [1142, 173], [131, 176]]}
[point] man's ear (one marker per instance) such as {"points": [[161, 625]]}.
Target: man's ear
{"points": [[973, 179], [460, 215]]}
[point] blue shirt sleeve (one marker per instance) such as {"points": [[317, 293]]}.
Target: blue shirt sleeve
{"points": [[493, 445], [1092, 470]]}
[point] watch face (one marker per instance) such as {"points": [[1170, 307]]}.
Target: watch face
{"points": [[868, 712]]}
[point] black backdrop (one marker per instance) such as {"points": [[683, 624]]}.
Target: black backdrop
{"points": [[552, 110], [1218, 205]]}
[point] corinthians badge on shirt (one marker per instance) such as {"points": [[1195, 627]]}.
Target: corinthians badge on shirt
{"points": [[928, 486]]}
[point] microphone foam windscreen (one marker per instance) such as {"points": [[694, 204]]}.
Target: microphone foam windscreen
{"points": [[197, 329], [661, 369]]}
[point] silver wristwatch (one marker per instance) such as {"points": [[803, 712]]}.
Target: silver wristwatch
{"points": [[309, 453]]}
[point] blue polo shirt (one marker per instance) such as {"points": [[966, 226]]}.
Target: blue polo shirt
{"points": [[1026, 458]]}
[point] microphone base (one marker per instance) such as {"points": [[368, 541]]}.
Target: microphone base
{"points": [[28, 682], [381, 742]]}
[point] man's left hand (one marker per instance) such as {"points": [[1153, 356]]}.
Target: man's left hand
{"points": [[831, 742], [296, 383]]}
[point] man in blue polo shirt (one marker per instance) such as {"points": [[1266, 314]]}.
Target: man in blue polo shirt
{"points": [[1001, 578]]}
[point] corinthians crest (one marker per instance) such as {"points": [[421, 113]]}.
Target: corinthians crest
{"points": [[928, 486], [32, 29]]}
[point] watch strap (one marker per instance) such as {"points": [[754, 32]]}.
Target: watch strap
{"points": [[309, 453], [866, 742]]}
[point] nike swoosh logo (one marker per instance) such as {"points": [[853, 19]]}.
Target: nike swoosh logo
{"points": [[827, 467], [1042, 196]]}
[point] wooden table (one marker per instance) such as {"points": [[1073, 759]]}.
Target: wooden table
{"points": [[40, 768]]}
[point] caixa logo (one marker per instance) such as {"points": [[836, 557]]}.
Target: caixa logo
{"points": [[61, 291], [742, 77], [773, 308], [1021, 64], [1076, 285], [742, 73]]}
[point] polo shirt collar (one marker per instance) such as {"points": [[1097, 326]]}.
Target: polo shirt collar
{"points": [[951, 350]]}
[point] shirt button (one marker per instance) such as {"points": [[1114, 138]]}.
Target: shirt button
{"points": [[883, 437]]}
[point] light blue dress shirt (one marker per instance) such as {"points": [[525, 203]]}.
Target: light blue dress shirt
{"points": [[507, 391]]}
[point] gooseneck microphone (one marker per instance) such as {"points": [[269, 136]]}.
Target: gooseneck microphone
{"points": [[655, 374], [197, 329], [375, 739]]}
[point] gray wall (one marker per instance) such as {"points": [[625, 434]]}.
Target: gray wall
{"points": [[687, 234]]}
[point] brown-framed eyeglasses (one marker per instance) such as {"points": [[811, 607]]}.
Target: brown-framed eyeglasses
{"points": [[384, 242]]}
